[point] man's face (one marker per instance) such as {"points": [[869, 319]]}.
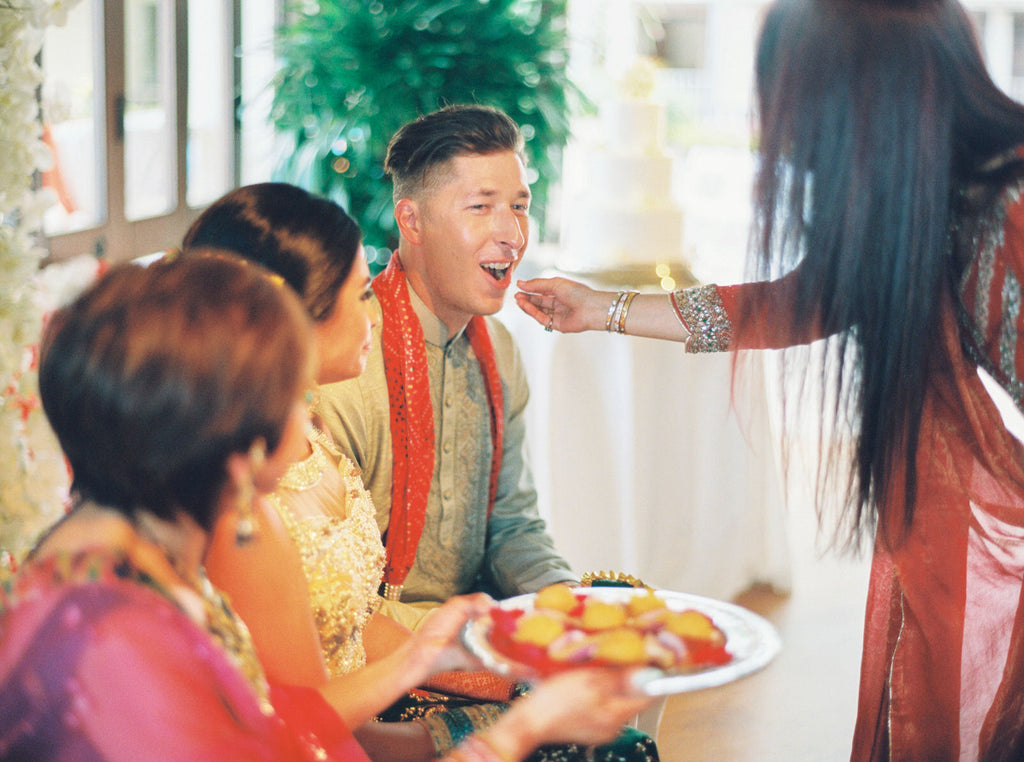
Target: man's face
{"points": [[475, 227]]}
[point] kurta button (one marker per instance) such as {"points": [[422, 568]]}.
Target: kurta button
{"points": [[447, 447], [447, 494], [448, 401]]}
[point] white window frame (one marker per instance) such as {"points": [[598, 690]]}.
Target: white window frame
{"points": [[116, 237]]}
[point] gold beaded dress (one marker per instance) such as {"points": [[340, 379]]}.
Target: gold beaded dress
{"points": [[330, 517], [343, 560]]}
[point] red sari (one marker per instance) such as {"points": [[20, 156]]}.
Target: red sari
{"points": [[942, 673]]}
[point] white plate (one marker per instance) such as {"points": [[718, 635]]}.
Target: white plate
{"points": [[751, 639]]}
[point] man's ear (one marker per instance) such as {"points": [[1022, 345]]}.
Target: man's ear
{"points": [[409, 217]]}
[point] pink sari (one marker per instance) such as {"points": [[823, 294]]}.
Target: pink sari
{"points": [[96, 663]]}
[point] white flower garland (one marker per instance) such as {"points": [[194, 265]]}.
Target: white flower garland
{"points": [[33, 477]]}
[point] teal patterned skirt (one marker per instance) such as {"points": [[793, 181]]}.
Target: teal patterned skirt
{"points": [[451, 718]]}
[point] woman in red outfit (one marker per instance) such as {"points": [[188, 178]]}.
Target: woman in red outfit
{"points": [[889, 218]]}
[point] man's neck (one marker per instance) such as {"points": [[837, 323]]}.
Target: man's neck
{"points": [[423, 304], [435, 330]]}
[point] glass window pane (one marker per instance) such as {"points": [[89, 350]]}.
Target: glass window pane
{"points": [[150, 146], [210, 101], [70, 125], [257, 140]]}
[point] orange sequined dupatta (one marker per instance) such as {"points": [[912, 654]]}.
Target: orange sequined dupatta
{"points": [[412, 418]]}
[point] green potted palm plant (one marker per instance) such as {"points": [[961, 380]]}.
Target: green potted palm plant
{"points": [[353, 71]]}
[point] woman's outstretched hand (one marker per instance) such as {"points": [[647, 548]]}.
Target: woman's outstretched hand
{"points": [[436, 644], [563, 305], [585, 706], [360, 695], [588, 705]]}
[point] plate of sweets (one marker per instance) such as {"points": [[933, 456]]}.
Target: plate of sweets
{"points": [[677, 642]]}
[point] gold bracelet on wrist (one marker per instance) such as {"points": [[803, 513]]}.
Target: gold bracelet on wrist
{"points": [[616, 303], [620, 324], [618, 311]]}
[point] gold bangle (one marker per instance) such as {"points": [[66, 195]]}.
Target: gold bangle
{"points": [[616, 303], [618, 309], [620, 324], [611, 312]]}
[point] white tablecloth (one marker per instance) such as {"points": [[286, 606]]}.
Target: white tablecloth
{"points": [[643, 466]]}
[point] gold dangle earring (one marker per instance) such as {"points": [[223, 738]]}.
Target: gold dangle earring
{"points": [[245, 529]]}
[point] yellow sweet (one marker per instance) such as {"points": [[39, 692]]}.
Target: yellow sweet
{"points": [[691, 624], [556, 597], [599, 615], [644, 602], [621, 646], [538, 629]]}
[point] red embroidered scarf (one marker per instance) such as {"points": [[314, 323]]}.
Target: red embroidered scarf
{"points": [[412, 415]]}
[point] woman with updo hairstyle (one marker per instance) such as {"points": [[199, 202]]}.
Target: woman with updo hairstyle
{"points": [[307, 240], [311, 244]]}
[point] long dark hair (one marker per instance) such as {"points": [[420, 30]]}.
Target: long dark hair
{"points": [[882, 138], [309, 241]]}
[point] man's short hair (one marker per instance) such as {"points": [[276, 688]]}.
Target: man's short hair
{"points": [[419, 152]]}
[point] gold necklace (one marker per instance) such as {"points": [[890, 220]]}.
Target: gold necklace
{"points": [[233, 636], [220, 620]]}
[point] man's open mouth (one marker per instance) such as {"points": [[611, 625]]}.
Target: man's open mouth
{"points": [[496, 270]]}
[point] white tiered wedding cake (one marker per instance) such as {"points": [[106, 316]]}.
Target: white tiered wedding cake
{"points": [[619, 212]]}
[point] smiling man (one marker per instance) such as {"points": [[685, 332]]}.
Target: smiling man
{"points": [[436, 422]]}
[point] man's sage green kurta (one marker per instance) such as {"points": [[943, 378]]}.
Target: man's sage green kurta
{"points": [[459, 550]]}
